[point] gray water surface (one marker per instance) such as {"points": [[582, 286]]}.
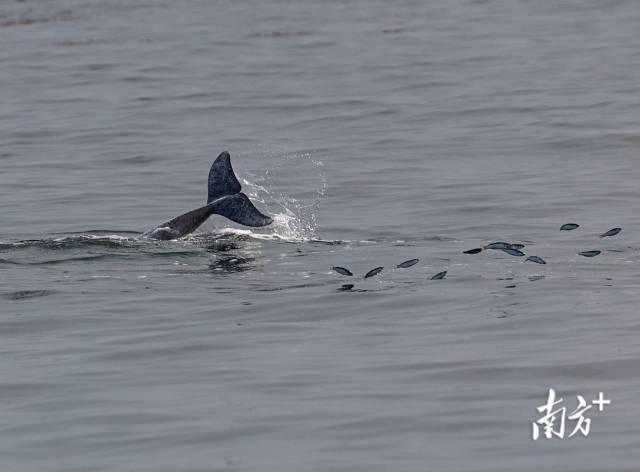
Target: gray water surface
{"points": [[373, 132]]}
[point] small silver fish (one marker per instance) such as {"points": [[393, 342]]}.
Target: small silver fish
{"points": [[373, 272], [611, 232], [536, 259], [569, 227], [499, 245], [590, 253], [345, 288], [342, 271], [439, 275], [513, 252], [473, 251], [409, 263]]}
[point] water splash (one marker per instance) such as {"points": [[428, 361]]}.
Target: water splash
{"points": [[294, 210]]}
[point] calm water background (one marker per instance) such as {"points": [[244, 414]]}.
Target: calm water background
{"points": [[374, 133]]}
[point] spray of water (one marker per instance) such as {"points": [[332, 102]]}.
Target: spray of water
{"points": [[294, 210]]}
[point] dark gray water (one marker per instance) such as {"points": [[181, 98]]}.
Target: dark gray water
{"points": [[373, 133]]}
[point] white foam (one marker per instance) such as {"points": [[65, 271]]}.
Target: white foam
{"points": [[277, 235], [101, 237]]}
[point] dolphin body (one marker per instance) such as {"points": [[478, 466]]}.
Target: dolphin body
{"points": [[224, 199]]}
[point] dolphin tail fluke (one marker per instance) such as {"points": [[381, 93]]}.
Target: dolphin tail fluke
{"points": [[225, 197], [239, 208]]}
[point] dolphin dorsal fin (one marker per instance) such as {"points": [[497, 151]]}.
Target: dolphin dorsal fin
{"points": [[222, 180]]}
